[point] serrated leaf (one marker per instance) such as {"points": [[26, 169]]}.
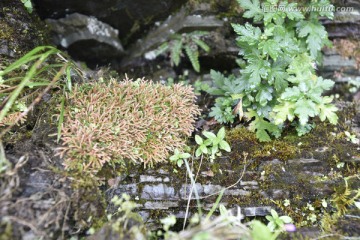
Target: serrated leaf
{"points": [[315, 34], [175, 51], [291, 94], [222, 113], [328, 111], [283, 112], [293, 15], [252, 9], [304, 129], [277, 77], [194, 57], [300, 66], [264, 95], [248, 33], [262, 127], [305, 108], [202, 44], [162, 48], [324, 84], [323, 7], [270, 47], [223, 85], [255, 72]]}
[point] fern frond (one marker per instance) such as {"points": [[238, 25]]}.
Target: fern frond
{"points": [[161, 49], [202, 44], [175, 51], [194, 57]]}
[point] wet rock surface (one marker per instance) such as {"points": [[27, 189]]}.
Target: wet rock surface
{"points": [[129, 17], [87, 38], [19, 31]]}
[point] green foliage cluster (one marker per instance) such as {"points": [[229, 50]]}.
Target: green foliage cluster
{"points": [[278, 82], [209, 147], [122, 122], [190, 43], [226, 226], [21, 82], [227, 89], [277, 222], [212, 144]]}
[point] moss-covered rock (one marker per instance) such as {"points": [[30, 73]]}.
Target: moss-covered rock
{"points": [[20, 31]]}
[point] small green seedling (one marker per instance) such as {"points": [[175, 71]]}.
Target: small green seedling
{"points": [[212, 144], [351, 137], [178, 157], [277, 223]]}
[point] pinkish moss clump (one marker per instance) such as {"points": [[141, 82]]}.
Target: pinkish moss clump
{"points": [[139, 121]]}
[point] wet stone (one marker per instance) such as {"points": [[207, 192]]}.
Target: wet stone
{"points": [[158, 192], [256, 211], [130, 189], [148, 178], [237, 192], [160, 205], [186, 188]]}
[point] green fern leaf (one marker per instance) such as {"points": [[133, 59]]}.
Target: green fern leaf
{"points": [[202, 44], [161, 49], [176, 47], [194, 57]]}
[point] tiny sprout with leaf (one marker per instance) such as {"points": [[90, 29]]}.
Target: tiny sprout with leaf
{"points": [[178, 157], [286, 202], [351, 137], [212, 144], [277, 223]]}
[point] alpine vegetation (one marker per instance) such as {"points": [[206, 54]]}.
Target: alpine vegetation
{"points": [[277, 83], [129, 121]]}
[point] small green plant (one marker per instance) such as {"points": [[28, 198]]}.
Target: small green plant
{"points": [[212, 144], [278, 82], [186, 42], [44, 67], [260, 231], [28, 5], [351, 137], [277, 223], [227, 88], [178, 157]]}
